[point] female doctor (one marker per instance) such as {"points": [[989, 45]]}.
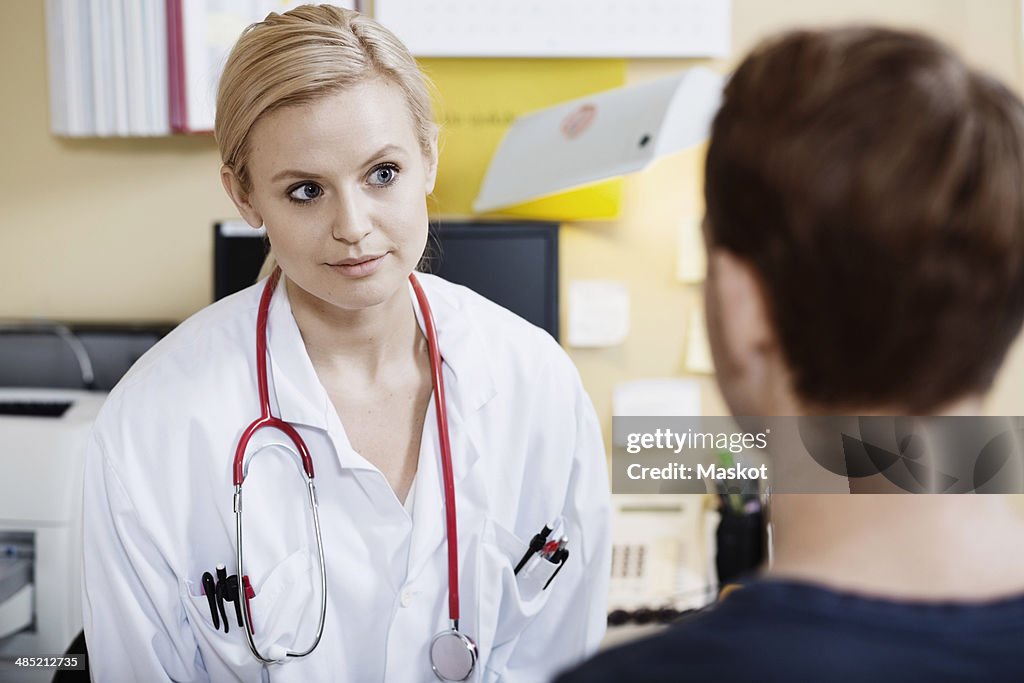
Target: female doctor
{"points": [[431, 473]]}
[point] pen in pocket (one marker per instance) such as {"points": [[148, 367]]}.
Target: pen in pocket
{"points": [[537, 543]]}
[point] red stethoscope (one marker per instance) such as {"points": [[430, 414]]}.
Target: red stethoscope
{"points": [[452, 653]]}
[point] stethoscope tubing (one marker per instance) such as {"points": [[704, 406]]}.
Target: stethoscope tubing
{"points": [[246, 617], [446, 451], [268, 421]]}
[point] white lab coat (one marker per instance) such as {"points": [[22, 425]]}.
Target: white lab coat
{"points": [[526, 448]]}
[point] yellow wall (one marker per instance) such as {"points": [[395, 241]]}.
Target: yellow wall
{"points": [[81, 218], [640, 248]]}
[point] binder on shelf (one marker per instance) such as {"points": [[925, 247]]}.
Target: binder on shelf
{"points": [[200, 35], [175, 67], [144, 67], [108, 67]]}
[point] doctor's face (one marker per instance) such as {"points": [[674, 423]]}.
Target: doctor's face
{"points": [[341, 186]]}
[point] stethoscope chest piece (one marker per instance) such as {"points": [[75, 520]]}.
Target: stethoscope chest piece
{"points": [[452, 655]]}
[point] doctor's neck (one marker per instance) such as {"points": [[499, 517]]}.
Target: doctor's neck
{"points": [[364, 345]]}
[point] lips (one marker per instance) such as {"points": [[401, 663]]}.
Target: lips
{"points": [[355, 261], [359, 266]]}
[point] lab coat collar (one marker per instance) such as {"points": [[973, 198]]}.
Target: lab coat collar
{"points": [[463, 350], [300, 397], [469, 382]]}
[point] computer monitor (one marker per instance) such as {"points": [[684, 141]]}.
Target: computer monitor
{"points": [[238, 254], [513, 263]]}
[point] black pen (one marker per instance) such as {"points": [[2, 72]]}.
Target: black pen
{"points": [[222, 580], [536, 543], [210, 588], [230, 593], [560, 556]]}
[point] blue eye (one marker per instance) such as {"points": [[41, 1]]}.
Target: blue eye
{"points": [[383, 175], [305, 193]]}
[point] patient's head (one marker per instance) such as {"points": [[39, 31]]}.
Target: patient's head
{"points": [[865, 226]]}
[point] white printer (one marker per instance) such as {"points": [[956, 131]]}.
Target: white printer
{"points": [[43, 434]]}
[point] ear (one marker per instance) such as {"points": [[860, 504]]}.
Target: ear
{"points": [[241, 198], [430, 161], [743, 340]]}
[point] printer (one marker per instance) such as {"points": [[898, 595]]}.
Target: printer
{"points": [[43, 434]]}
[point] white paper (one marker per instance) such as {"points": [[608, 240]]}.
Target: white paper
{"points": [[691, 262], [626, 129], [598, 313], [698, 352], [656, 398], [564, 28]]}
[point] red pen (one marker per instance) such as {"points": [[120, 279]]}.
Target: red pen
{"points": [[249, 594]]}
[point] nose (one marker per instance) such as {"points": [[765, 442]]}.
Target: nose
{"points": [[351, 221]]}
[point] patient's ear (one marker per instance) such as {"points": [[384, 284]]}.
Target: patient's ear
{"points": [[741, 334], [240, 196]]}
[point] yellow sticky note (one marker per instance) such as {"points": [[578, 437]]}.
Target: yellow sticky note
{"points": [[595, 202], [477, 100]]}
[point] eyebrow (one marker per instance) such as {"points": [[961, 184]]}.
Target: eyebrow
{"points": [[297, 173]]}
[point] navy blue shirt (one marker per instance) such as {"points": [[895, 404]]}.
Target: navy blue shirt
{"points": [[786, 631]]}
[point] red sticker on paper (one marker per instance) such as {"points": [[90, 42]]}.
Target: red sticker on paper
{"points": [[578, 121]]}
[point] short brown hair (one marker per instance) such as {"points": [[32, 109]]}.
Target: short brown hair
{"points": [[875, 183]]}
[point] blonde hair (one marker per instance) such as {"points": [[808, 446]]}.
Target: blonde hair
{"points": [[303, 55]]}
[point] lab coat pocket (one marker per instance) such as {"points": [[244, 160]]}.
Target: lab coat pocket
{"points": [[286, 608], [283, 604], [220, 651], [522, 596], [535, 575]]}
